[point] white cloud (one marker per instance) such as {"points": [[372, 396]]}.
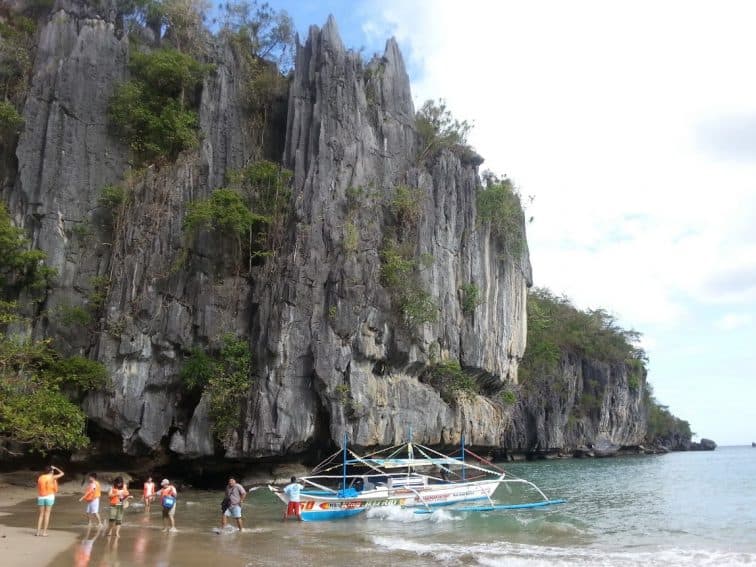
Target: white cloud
{"points": [[734, 321]]}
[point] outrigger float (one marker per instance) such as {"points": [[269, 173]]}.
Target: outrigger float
{"points": [[408, 475]]}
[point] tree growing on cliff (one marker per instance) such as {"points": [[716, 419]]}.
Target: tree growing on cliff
{"points": [[17, 37], [499, 206], [224, 377], [154, 112], [21, 267], [252, 210], [267, 33], [439, 129]]}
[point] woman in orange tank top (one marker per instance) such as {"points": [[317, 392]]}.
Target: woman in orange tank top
{"points": [[47, 486]]}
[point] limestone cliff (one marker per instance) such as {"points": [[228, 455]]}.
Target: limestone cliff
{"points": [[588, 406], [331, 353]]}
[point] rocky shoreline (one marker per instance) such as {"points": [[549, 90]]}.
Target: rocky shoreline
{"points": [[201, 474], [604, 450]]}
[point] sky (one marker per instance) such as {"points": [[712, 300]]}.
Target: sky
{"points": [[633, 127]]}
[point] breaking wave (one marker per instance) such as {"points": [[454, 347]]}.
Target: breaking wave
{"points": [[496, 554]]}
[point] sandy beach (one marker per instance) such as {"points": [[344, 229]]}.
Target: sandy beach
{"points": [[18, 517]]}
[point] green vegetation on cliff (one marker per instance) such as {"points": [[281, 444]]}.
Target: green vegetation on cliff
{"points": [[17, 47], [154, 112], [556, 327], [451, 380], [401, 264], [439, 130], [37, 384], [224, 377], [499, 207], [252, 210], [21, 267], [10, 119], [663, 427]]}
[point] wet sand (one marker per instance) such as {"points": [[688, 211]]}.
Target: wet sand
{"points": [[18, 525]]}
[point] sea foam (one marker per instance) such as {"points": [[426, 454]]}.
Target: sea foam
{"points": [[495, 554]]}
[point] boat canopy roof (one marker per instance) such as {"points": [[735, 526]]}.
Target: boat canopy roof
{"points": [[404, 463]]}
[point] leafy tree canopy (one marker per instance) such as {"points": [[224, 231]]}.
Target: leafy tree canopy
{"points": [[439, 129], [20, 266], [224, 376], [268, 33]]}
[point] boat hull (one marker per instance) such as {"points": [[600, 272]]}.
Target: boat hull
{"points": [[318, 507]]}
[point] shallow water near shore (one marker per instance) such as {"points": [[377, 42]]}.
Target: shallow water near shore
{"points": [[677, 509]]}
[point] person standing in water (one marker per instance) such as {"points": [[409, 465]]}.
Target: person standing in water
{"points": [[148, 493], [292, 491], [118, 495], [235, 495], [168, 495], [47, 486], [92, 498]]}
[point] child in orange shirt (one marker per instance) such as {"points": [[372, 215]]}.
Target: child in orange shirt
{"points": [[92, 498], [118, 495]]}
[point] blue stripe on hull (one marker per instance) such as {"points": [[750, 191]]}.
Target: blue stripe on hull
{"points": [[501, 507], [330, 514]]}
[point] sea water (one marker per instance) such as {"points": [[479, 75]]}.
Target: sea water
{"points": [[676, 509]]}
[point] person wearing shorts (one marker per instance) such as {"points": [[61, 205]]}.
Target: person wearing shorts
{"points": [[92, 498], [47, 486], [235, 495], [118, 495], [292, 491], [168, 495], [148, 493]]}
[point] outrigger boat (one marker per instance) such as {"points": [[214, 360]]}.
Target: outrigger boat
{"points": [[408, 475]]}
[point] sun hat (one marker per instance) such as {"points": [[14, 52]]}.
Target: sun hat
{"points": [[164, 482]]}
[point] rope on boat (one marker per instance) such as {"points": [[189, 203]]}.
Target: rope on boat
{"points": [[483, 460]]}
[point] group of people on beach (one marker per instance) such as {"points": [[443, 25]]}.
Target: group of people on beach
{"points": [[119, 497]]}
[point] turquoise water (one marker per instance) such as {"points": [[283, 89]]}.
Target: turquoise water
{"points": [[676, 509]]}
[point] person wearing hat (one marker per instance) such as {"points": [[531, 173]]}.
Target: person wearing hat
{"points": [[168, 495]]}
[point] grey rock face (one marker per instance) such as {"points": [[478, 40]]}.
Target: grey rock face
{"points": [[589, 404], [331, 352], [333, 356], [707, 445], [65, 156], [154, 311]]}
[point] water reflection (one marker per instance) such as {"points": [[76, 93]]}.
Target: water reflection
{"points": [[83, 551]]}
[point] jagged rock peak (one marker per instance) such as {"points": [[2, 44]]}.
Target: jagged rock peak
{"points": [[104, 9], [330, 35], [396, 84]]}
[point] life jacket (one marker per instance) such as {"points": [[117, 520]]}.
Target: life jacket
{"points": [[93, 492], [46, 485], [117, 495], [149, 489]]}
